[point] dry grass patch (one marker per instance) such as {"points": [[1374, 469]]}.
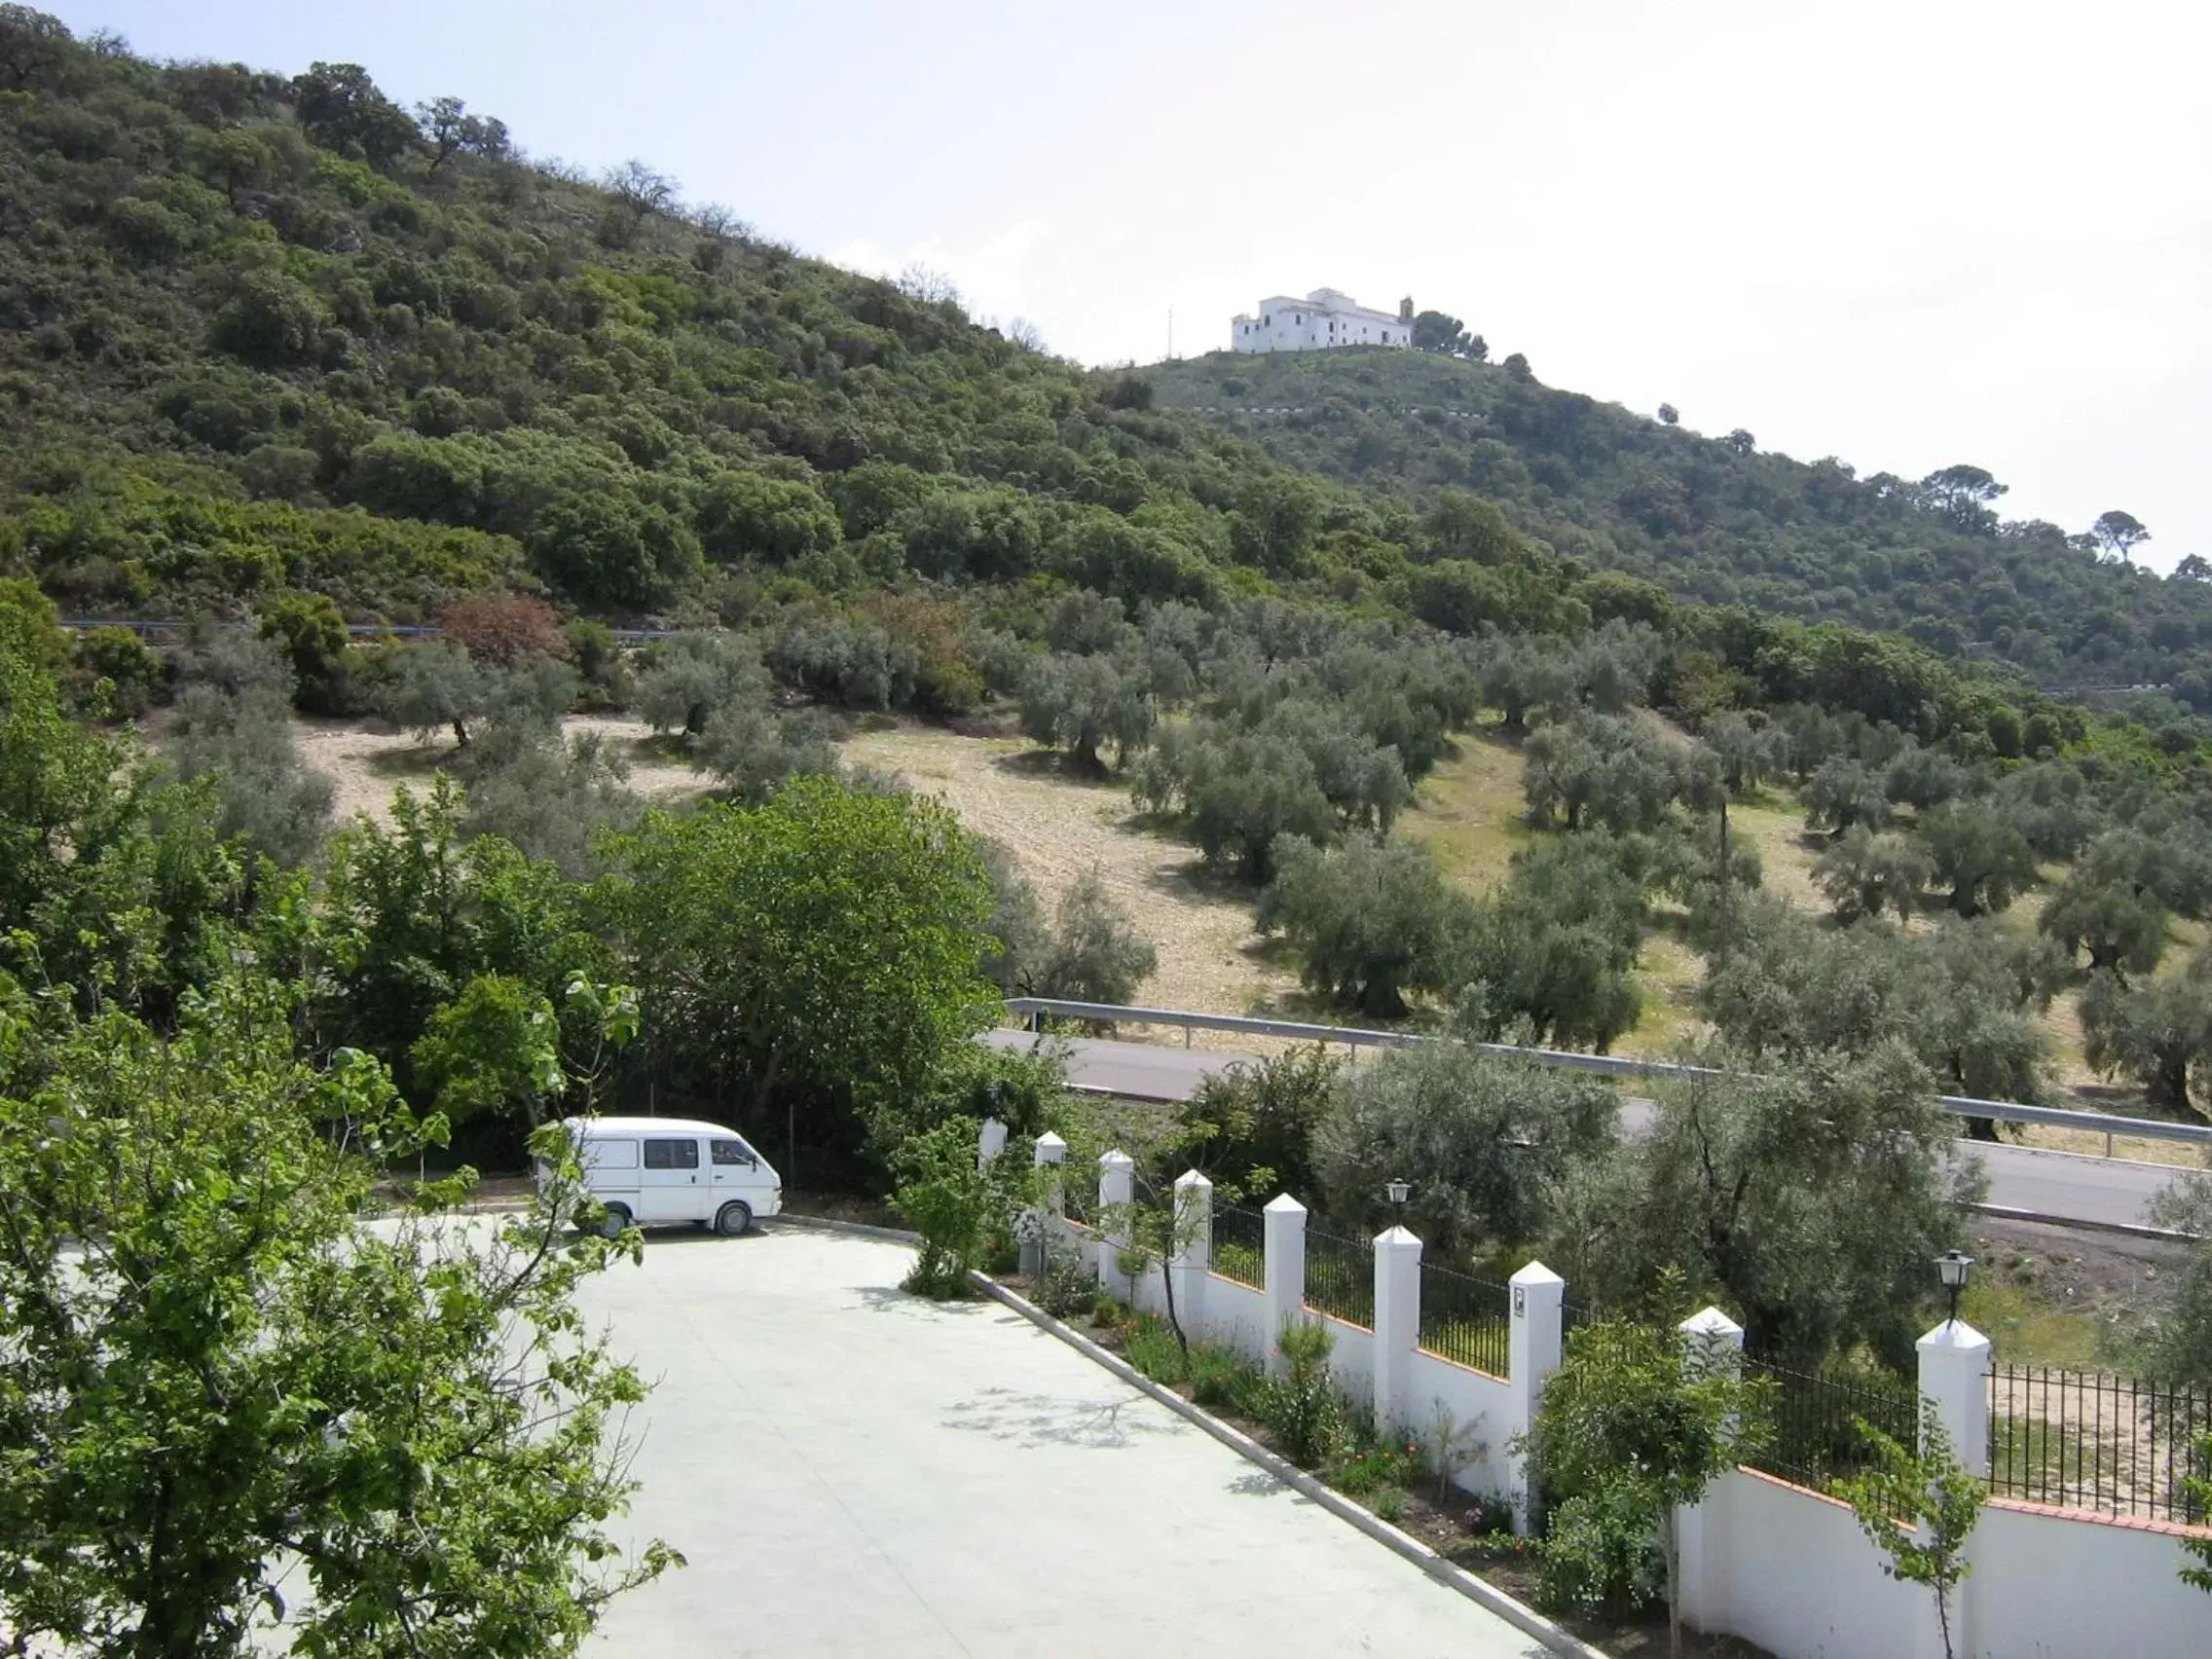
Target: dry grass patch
{"points": [[365, 763], [1470, 813], [1058, 824]]}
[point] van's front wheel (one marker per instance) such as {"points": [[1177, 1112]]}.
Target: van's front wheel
{"points": [[611, 1223], [732, 1219]]}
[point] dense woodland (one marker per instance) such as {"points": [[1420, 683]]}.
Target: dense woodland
{"points": [[1720, 521]]}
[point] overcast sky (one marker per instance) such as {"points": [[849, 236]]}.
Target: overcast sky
{"points": [[1906, 234]]}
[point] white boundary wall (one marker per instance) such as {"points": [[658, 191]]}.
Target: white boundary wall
{"points": [[1763, 1560]]}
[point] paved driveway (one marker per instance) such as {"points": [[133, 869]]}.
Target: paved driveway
{"points": [[852, 1471]]}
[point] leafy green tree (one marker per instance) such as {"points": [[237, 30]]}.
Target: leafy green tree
{"points": [[1604, 770], [494, 1047], [1485, 1143], [1961, 496], [1078, 703], [551, 799], [1434, 331], [2118, 533], [1845, 791], [2155, 1032], [1668, 414], [1865, 874], [1964, 999], [30, 627], [1252, 1125], [218, 1374], [685, 679], [2118, 925], [311, 629], [1918, 1508], [1087, 951], [754, 751], [434, 685], [130, 670], [1807, 1199], [1370, 920], [341, 109], [1548, 957], [241, 744], [1740, 441], [1636, 1426], [956, 1202], [815, 956], [749, 516], [1985, 861]]}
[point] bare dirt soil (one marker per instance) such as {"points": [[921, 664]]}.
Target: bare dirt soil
{"points": [[1058, 824], [366, 762]]}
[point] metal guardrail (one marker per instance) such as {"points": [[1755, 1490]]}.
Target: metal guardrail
{"points": [[1601, 1065]]}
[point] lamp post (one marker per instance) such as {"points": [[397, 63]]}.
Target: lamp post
{"points": [[1952, 1268], [1397, 1190]]}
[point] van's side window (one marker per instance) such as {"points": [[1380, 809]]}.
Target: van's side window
{"points": [[672, 1154], [731, 1152], [610, 1154]]}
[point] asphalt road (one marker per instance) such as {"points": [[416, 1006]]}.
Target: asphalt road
{"points": [[2055, 1186]]}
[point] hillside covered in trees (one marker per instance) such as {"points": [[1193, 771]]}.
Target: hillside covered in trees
{"points": [[264, 337], [1719, 520]]}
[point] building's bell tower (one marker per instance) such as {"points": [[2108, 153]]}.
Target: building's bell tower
{"points": [[1406, 309]]}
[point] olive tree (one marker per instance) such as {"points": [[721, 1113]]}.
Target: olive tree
{"points": [[1807, 1198], [1485, 1142], [1370, 920]]}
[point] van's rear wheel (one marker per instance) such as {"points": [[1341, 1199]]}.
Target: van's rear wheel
{"points": [[732, 1219], [612, 1224]]}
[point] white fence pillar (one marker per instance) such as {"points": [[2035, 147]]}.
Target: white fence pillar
{"points": [[991, 1142], [1954, 1374], [1713, 1343], [1193, 1254], [1117, 1186], [1036, 1238], [1285, 1221], [1397, 1326], [1539, 1298]]}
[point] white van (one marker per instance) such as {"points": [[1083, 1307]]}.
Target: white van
{"points": [[659, 1171]]}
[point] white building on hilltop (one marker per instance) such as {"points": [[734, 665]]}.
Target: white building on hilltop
{"points": [[1321, 320]]}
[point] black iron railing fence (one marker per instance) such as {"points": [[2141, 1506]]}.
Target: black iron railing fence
{"points": [[1816, 1438], [1339, 1277], [1466, 1319], [2083, 1440], [1240, 1246]]}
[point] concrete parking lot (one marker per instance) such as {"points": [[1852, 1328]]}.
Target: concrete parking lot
{"points": [[853, 1471]]}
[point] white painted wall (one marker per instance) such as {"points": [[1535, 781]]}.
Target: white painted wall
{"points": [[1471, 1398], [1237, 1317], [1790, 1570], [2052, 1587], [1351, 1360]]}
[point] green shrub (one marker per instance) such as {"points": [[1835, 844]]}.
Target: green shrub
{"points": [[1302, 1408], [1601, 1556], [1390, 1504], [1067, 1285], [953, 1204], [1154, 1350], [1218, 1377]]}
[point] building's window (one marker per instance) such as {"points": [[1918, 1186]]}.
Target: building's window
{"points": [[672, 1154]]}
